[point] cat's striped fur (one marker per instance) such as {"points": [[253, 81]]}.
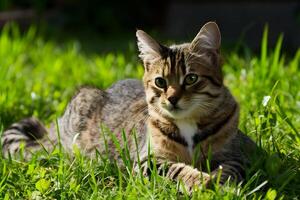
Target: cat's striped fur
{"points": [[182, 110]]}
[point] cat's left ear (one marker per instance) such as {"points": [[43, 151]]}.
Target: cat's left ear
{"points": [[208, 39]]}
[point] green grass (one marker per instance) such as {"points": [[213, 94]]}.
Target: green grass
{"points": [[38, 77]]}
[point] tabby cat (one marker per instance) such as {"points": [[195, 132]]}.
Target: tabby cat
{"points": [[182, 112]]}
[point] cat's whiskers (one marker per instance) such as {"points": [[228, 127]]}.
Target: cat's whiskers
{"points": [[141, 113]]}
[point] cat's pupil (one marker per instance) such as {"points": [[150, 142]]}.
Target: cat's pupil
{"points": [[160, 82], [190, 79]]}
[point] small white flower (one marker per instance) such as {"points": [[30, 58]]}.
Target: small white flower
{"points": [[33, 95], [266, 100]]}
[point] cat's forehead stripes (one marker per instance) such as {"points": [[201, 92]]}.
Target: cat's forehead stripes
{"points": [[177, 64], [174, 67]]}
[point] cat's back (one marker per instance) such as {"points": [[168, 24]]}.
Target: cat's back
{"points": [[125, 91], [125, 105]]}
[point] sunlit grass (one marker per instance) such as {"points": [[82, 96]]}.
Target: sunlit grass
{"points": [[38, 77]]}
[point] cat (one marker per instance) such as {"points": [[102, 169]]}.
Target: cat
{"points": [[181, 113]]}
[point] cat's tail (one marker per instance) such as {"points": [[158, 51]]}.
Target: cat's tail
{"points": [[27, 133]]}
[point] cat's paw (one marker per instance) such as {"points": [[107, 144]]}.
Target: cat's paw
{"points": [[195, 180]]}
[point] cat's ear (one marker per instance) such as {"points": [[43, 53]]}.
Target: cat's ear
{"points": [[208, 39], [148, 47]]}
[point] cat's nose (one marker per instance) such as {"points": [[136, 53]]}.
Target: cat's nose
{"points": [[173, 100]]}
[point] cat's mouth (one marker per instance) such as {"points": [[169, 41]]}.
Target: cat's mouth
{"points": [[171, 108], [176, 112], [173, 111]]}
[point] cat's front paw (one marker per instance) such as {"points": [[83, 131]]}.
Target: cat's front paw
{"points": [[194, 180]]}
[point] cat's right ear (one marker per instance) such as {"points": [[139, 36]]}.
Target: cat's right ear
{"points": [[148, 47]]}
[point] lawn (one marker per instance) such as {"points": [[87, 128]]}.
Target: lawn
{"points": [[39, 76]]}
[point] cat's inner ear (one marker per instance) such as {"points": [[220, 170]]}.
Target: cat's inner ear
{"points": [[208, 39], [148, 47]]}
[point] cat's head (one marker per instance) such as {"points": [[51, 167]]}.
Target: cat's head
{"points": [[182, 81]]}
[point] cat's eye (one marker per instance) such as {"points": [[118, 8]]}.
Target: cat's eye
{"points": [[190, 79], [160, 82]]}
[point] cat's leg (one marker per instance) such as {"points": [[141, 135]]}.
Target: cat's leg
{"points": [[229, 171], [192, 178], [231, 162], [179, 172], [228, 164]]}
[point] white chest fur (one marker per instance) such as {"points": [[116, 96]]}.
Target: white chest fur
{"points": [[188, 129]]}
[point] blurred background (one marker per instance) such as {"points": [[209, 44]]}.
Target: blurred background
{"points": [[106, 25]]}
